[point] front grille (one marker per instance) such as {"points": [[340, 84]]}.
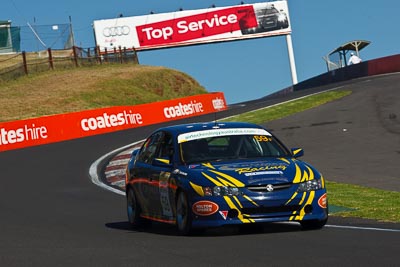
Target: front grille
{"points": [[267, 210], [267, 188], [269, 22]]}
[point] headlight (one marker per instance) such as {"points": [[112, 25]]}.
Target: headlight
{"points": [[221, 191], [310, 185]]}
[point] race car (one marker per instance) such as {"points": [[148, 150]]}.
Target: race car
{"points": [[213, 174], [268, 18]]}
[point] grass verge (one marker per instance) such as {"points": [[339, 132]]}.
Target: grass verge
{"points": [[365, 202], [359, 201], [283, 110]]}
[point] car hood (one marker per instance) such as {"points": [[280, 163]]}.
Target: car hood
{"points": [[255, 172]]}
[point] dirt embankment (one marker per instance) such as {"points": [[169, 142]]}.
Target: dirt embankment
{"points": [[64, 91]]}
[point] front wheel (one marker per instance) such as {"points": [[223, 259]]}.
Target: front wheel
{"points": [[183, 214]]}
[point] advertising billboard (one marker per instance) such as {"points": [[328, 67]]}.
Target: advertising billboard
{"points": [[61, 127], [191, 27]]}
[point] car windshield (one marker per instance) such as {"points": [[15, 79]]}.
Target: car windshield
{"points": [[231, 147], [267, 11]]}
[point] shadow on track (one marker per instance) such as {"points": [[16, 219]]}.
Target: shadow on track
{"points": [[170, 230]]}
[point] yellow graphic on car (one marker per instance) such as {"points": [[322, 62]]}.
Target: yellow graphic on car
{"points": [[223, 179]]}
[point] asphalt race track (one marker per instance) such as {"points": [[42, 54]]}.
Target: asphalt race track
{"points": [[51, 214], [355, 140]]}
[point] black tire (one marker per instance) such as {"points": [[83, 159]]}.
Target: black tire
{"points": [[133, 209], [313, 224], [183, 214]]}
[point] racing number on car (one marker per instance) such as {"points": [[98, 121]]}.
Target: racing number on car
{"points": [[164, 194], [262, 138]]}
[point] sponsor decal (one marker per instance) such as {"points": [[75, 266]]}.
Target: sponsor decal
{"points": [[25, 133], [197, 26], [266, 180], [269, 167], [111, 120], [116, 31], [218, 103], [224, 213], [322, 201], [193, 166], [179, 172], [183, 109], [263, 173], [220, 132], [205, 208], [262, 138], [164, 193]]}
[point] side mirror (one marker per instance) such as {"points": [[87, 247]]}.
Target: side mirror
{"points": [[297, 152]]}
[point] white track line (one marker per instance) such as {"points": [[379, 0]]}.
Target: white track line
{"points": [[362, 228], [93, 170]]}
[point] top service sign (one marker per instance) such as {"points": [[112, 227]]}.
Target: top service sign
{"points": [[193, 26]]}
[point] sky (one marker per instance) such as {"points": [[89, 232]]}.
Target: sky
{"points": [[242, 70]]}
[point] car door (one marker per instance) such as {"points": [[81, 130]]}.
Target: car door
{"points": [[160, 175], [147, 188]]}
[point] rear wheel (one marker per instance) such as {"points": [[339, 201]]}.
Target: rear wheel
{"points": [[133, 209], [183, 214]]}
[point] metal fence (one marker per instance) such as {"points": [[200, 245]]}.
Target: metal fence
{"points": [[16, 65], [34, 38]]}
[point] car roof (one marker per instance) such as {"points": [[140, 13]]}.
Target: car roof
{"points": [[192, 127]]}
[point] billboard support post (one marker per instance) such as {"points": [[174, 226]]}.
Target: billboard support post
{"points": [[291, 58]]}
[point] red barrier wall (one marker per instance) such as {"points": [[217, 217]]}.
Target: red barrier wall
{"points": [[377, 66], [50, 129], [384, 65]]}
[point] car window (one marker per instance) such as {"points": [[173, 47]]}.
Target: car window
{"points": [[166, 146], [148, 151]]}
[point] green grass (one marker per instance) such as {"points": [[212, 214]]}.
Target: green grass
{"points": [[357, 201], [288, 108], [365, 202]]}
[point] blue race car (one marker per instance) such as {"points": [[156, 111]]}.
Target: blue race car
{"points": [[213, 174]]}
